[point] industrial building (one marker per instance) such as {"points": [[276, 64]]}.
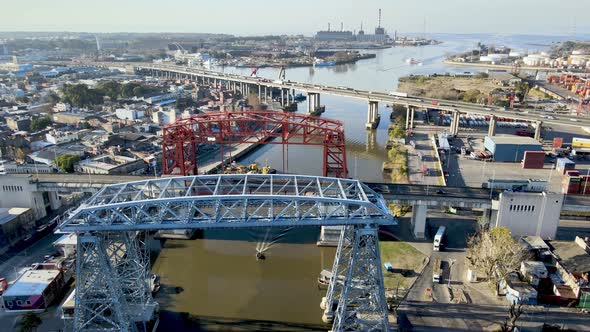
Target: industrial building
{"points": [[35, 289], [22, 192], [526, 213], [510, 148]]}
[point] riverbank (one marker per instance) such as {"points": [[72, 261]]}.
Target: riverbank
{"points": [[493, 66]]}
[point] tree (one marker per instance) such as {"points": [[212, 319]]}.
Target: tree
{"points": [[397, 132], [40, 123], [522, 89], [80, 95], [471, 96], [495, 253], [111, 89], [514, 313], [29, 322], [482, 75], [66, 162]]}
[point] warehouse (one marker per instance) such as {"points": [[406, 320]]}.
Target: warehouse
{"points": [[510, 148]]}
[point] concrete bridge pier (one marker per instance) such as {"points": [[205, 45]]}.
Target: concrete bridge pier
{"points": [[283, 97], [373, 115], [412, 113], [492, 127], [538, 130], [266, 94], [313, 103], [419, 220], [408, 117], [259, 92], [455, 123]]}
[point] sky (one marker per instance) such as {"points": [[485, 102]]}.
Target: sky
{"points": [[256, 17]]}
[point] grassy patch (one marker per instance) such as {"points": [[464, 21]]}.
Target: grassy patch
{"points": [[401, 256]]}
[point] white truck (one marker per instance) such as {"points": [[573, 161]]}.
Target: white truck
{"points": [[398, 94], [437, 271], [439, 238]]}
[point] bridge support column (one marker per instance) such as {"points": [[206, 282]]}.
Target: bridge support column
{"points": [[492, 127], [313, 104], [408, 117], [259, 92], [266, 94], [283, 103], [455, 123], [372, 115], [362, 305], [538, 130], [419, 220], [412, 113]]}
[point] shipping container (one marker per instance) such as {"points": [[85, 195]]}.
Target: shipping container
{"points": [[572, 172], [582, 143], [533, 159], [564, 164], [557, 142]]}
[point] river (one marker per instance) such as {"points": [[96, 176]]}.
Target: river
{"points": [[224, 288]]}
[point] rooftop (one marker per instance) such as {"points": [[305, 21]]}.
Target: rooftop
{"points": [[571, 256], [8, 214], [534, 242], [32, 282], [511, 139]]}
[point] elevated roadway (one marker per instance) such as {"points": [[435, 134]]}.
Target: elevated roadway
{"points": [[372, 96]]}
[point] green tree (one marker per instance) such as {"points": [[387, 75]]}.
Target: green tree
{"points": [[397, 132], [29, 322], [495, 253], [110, 89], [66, 162], [127, 89], [81, 96], [471, 96], [482, 75], [40, 123], [522, 89]]}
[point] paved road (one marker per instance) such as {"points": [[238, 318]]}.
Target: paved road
{"points": [[422, 153]]}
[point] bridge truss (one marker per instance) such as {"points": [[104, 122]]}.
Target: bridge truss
{"points": [[181, 139], [112, 276]]}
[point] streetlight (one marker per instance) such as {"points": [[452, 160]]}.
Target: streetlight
{"points": [[451, 262]]}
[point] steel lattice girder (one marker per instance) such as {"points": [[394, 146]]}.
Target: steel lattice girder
{"points": [[228, 201], [180, 139], [362, 305]]}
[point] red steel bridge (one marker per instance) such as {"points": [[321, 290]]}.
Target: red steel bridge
{"points": [[182, 138]]}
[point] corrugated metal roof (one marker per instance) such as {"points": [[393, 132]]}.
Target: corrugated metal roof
{"points": [[511, 139]]}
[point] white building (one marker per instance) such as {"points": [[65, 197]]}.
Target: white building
{"points": [[16, 168], [164, 117], [62, 107], [128, 114], [16, 191], [60, 137], [526, 213]]}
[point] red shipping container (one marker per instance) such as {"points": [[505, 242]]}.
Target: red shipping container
{"points": [[533, 159], [573, 188], [557, 142], [572, 172], [585, 188]]}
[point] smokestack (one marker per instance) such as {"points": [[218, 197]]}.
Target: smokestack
{"points": [[341, 26], [328, 26], [379, 22]]}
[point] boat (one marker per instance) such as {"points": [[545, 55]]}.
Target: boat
{"points": [[155, 283], [323, 63], [412, 61]]}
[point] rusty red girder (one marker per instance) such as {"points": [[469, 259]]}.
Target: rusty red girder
{"points": [[179, 146]]}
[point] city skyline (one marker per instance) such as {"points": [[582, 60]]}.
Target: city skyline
{"points": [[239, 18]]}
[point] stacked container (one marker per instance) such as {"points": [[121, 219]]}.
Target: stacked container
{"points": [[564, 164], [571, 184], [533, 159]]}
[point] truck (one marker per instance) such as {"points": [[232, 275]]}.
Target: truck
{"points": [[439, 238], [437, 271], [398, 94]]}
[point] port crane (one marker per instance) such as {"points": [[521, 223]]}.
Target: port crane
{"points": [[254, 72]]}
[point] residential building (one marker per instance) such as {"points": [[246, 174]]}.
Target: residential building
{"points": [[61, 137], [35, 289], [16, 224], [129, 114], [111, 164], [19, 123]]}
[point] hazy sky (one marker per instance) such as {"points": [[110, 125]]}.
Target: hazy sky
{"points": [[247, 17]]}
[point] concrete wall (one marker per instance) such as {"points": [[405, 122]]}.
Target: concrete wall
{"points": [[529, 213], [22, 192]]}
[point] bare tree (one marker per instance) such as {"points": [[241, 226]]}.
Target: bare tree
{"points": [[495, 253]]}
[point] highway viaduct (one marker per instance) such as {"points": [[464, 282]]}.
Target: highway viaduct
{"points": [[420, 197], [264, 88]]}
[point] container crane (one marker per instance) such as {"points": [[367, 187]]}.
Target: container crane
{"points": [[254, 72]]}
